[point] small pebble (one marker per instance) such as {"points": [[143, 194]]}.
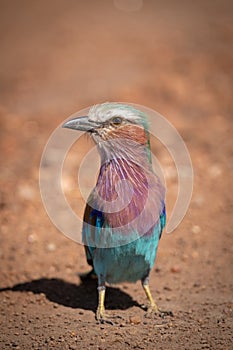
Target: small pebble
{"points": [[196, 229], [215, 171], [51, 247], [175, 269], [32, 238], [26, 192], [199, 200], [167, 288], [67, 184], [195, 254], [135, 320]]}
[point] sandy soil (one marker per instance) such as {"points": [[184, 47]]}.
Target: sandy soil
{"points": [[58, 57]]}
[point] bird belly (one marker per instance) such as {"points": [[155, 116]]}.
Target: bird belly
{"points": [[127, 263]]}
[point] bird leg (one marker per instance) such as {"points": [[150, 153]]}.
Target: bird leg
{"points": [[152, 307], [100, 313]]}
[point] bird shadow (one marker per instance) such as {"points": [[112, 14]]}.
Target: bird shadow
{"points": [[82, 296]]}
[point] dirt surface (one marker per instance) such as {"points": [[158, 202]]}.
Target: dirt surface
{"points": [[58, 57]]}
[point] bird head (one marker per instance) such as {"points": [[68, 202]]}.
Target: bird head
{"points": [[114, 127]]}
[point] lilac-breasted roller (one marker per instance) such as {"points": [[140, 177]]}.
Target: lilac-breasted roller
{"points": [[125, 213]]}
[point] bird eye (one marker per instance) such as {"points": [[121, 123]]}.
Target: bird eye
{"points": [[116, 120]]}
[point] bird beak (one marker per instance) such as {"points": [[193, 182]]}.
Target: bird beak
{"points": [[81, 123]]}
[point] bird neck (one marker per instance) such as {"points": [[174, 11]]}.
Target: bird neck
{"points": [[129, 143]]}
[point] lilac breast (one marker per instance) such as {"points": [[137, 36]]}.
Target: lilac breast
{"points": [[130, 195]]}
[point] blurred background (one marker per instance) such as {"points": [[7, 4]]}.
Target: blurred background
{"points": [[57, 57]]}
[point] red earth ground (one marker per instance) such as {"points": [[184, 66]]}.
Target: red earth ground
{"points": [[58, 57]]}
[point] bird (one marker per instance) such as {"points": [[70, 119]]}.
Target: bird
{"points": [[125, 213]]}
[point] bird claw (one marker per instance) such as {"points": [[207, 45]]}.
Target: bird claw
{"points": [[102, 318], [164, 313], [106, 321], [154, 310]]}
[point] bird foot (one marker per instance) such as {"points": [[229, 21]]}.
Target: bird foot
{"points": [[154, 310], [102, 317]]}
